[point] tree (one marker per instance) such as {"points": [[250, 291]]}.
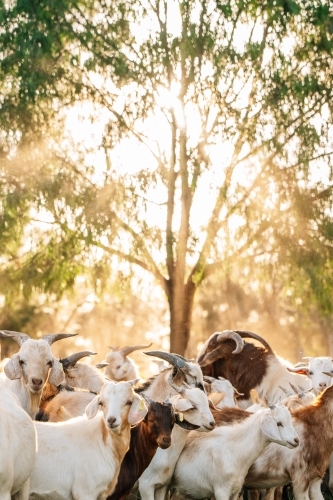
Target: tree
{"points": [[232, 102]]}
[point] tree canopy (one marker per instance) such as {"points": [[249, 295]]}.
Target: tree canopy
{"points": [[174, 137]]}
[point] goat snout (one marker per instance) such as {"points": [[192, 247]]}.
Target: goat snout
{"points": [[164, 442], [211, 425], [111, 422], [322, 385], [37, 383]]}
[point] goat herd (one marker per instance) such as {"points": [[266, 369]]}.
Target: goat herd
{"points": [[198, 429]]}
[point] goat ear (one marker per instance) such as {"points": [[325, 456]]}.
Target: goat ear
{"points": [[270, 429], [92, 408], [138, 410], [13, 368], [182, 404], [57, 375]]}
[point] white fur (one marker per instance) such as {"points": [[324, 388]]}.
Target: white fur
{"points": [[32, 362], [215, 465], [221, 386], [84, 376], [80, 459], [18, 447], [120, 367]]}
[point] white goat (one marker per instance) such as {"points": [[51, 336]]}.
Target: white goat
{"points": [[28, 370], [220, 392], [120, 367], [215, 465], [194, 406], [18, 448], [319, 370], [80, 459]]}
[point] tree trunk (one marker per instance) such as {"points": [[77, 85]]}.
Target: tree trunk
{"points": [[181, 306]]}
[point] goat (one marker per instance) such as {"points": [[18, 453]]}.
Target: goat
{"points": [[28, 370], [194, 407], [319, 370], [66, 404], [215, 465], [81, 458], [18, 447], [301, 398], [181, 370], [152, 432], [120, 367], [216, 388], [252, 367], [305, 466]]}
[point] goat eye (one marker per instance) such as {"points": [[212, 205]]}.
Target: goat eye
{"points": [[22, 362], [129, 402], [49, 363], [100, 403], [118, 367], [310, 373], [279, 424]]}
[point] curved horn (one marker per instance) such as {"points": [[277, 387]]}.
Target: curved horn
{"points": [[287, 393], [250, 335], [18, 336], [231, 334], [53, 337], [125, 351], [173, 359], [74, 358]]}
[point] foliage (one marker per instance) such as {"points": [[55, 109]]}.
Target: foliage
{"points": [[227, 108]]}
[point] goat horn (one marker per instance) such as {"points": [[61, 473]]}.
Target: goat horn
{"points": [[100, 366], [287, 393], [231, 334], [113, 347], [296, 390], [181, 390], [74, 358], [125, 351], [54, 337], [174, 359], [328, 373], [250, 335], [18, 336], [236, 392], [296, 369], [147, 398]]}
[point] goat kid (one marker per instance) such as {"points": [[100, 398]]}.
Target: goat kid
{"points": [[120, 366], [80, 459], [215, 465]]}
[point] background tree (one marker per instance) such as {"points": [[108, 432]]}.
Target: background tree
{"points": [[226, 110]]}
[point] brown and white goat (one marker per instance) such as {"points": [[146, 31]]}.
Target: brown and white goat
{"points": [[153, 432], [305, 466], [250, 368]]}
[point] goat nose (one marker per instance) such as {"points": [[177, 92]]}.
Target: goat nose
{"points": [[37, 381], [166, 440], [322, 384], [111, 421], [296, 440], [212, 423]]}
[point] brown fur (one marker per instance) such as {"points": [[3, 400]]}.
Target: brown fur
{"points": [[145, 439], [227, 416], [244, 370]]}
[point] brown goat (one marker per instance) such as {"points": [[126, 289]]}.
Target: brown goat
{"points": [[306, 465], [153, 432]]}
